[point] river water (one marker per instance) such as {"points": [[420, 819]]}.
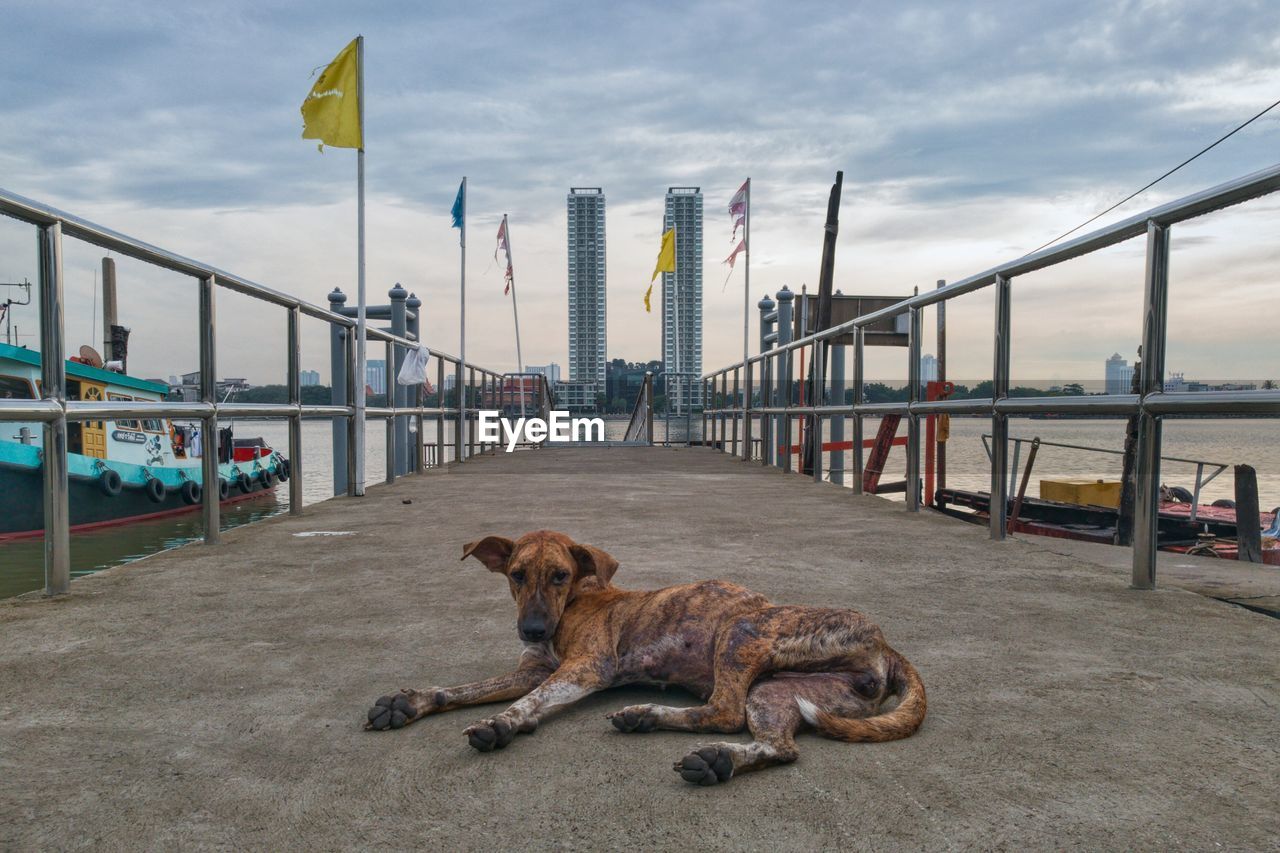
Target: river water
{"points": [[1228, 441]]}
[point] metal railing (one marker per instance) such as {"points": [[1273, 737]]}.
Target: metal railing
{"points": [[54, 410], [771, 371], [640, 425]]}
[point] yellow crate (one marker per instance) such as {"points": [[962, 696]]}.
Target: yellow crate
{"points": [[1082, 492]]}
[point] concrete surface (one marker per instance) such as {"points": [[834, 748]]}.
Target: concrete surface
{"points": [[212, 697]]}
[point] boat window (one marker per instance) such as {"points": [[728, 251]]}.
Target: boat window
{"points": [[14, 388], [125, 424], [151, 424]]}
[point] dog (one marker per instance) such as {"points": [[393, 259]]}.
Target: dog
{"points": [[772, 669]]}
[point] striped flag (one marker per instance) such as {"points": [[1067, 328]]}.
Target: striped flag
{"points": [[738, 210], [733, 256], [504, 246]]}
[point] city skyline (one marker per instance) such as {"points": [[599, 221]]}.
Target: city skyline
{"points": [[953, 162]]}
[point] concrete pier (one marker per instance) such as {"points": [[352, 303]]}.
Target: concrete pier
{"points": [[214, 695]]}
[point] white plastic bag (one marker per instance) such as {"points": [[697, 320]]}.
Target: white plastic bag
{"points": [[414, 369]]}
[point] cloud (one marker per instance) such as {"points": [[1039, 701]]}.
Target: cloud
{"points": [[967, 135]]}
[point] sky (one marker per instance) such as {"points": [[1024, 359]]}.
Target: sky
{"points": [[968, 134]]}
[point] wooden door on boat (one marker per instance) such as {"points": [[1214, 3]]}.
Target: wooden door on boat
{"points": [[94, 433]]}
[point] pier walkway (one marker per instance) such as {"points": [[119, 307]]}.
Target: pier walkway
{"points": [[214, 695]]}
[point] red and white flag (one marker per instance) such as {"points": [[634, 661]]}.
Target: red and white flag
{"points": [[738, 210], [504, 246], [733, 256]]}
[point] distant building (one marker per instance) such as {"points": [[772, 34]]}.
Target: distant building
{"points": [[1119, 375], [682, 297], [928, 368], [309, 377], [578, 396], [375, 375], [551, 371], [189, 387], [587, 291], [624, 380]]}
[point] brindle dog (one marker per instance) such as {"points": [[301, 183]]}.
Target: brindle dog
{"points": [[771, 669]]}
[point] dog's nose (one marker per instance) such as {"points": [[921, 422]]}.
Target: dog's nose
{"points": [[533, 631]]}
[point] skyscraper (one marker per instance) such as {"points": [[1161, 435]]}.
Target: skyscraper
{"points": [[682, 297], [1119, 375], [587, 314]]}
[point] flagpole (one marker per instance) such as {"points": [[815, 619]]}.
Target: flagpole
{"points": [[360, 291], [462, 320], [746, 275], [515, 312]]}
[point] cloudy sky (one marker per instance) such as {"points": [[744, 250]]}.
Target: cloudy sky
{"points": [[968, 134]]}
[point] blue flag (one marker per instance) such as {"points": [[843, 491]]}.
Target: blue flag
{"points": [[457, 208]]}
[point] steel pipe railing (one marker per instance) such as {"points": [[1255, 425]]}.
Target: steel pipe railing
{"points": [[54, 411], [774, 367]]}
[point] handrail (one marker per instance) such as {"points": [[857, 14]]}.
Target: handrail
{"points": [[772, 369], [640, 424], [55, 411]]}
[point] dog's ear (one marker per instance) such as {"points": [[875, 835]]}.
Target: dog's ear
{"points": [[493, 551], [592, 562]]}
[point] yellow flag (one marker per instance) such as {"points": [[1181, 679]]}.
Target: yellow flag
{"points": [[666, 261], [331, 112]]}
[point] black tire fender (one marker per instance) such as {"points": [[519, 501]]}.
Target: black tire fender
{"points": [[155, 490], [109, 483]]}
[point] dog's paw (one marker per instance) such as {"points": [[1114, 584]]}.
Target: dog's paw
{"points": [[393, 711], [706, 765], [634, 718], [488, 735]]}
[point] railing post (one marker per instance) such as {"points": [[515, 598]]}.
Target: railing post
{"points": [[397, 394], [999, 503], [354, 385], [440, 421], [859, 347], [786, 328], [338, 392], [460, 425], [53, 386], [913, 420], [211, 478], [393, 450], [471, 424], [748, 375], [816, 399], [737, 405], [294, 356], [414, 326], [837, 422], [767, 399], [1147, 476]]}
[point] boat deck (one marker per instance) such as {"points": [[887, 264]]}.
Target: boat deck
{"points": [[213, 696]]}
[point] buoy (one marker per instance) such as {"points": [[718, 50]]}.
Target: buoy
{"points": [[266, 478], [282, 470], [224, 489], [244, 483], [110, 483], [1225, 503], [1181, 495], [155, 490], [191, 492]]}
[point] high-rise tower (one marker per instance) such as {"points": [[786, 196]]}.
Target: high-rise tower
{"points": [[587, 314], [682, 298]]}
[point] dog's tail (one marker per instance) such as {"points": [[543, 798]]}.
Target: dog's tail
{"points": [[902, 721]]}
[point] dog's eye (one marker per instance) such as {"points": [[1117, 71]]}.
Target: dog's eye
{"points": [[559, 578], [517, 577]]}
